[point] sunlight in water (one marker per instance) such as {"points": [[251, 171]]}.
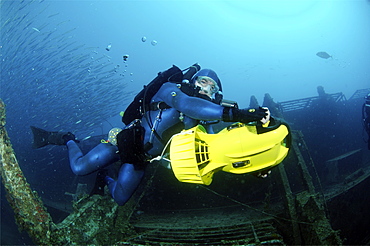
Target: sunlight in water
{"points": [[273, 14]]}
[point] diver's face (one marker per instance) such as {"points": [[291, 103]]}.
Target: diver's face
{"points": [[207, 86]]}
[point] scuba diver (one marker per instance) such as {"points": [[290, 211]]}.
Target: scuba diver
{"points": [[366, 117], [178, 104]]}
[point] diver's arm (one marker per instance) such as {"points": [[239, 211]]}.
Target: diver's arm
{"points": [[194, 107], [202, 109]]}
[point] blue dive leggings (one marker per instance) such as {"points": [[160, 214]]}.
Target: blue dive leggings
{"points": [[99, 157]]}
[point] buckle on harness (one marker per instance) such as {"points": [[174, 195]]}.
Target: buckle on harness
{"points": [[158, 106]]}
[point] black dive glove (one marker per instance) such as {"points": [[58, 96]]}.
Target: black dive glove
{"points": [[244, 115]]}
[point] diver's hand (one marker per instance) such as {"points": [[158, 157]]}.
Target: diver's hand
{"points": [[246, 115]]}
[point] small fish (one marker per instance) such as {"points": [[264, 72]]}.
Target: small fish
{"points": [[109, 47], [34, 28], [53, 15], [323, 55], [77, 122], [86, 138]]}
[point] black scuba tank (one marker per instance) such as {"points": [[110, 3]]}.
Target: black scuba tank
{"points": [[136, 109]]}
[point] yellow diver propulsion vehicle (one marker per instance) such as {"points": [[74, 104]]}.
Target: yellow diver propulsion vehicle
{"points": [[239, 148]]}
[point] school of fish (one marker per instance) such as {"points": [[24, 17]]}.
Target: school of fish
{"points": [[49, 78]]}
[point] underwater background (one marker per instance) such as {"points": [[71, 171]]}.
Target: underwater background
{"points": [[74, 65]]}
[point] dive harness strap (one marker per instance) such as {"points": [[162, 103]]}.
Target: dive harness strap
{"points": [[156, 106]]}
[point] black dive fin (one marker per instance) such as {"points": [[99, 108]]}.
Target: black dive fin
{"points": [[99, 183], [40, 137]]}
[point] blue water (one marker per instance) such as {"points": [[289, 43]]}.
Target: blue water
{"points": [[56, 71]]}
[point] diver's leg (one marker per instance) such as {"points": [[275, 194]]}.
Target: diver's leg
{"points": [[127, 182], [99, 157]]}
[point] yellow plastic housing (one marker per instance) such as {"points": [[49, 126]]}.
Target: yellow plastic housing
{"points": [[196, 155]]}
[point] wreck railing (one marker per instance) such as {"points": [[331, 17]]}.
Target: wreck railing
{"points": [[30, 213]]}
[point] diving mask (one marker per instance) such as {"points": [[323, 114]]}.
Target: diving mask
{"points": [[207, 86]]}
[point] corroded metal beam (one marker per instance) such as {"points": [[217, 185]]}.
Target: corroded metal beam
{"points": [[30, 213]]}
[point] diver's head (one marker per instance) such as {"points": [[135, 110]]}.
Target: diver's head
{"points": [[207, 86], [208, 82]]}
